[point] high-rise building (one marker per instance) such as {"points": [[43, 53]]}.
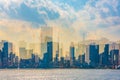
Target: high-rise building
{"points": [[72, 54], [48, 56], [25, 53], [94, 54], [50, 51], [46, 36], [16, 61], [35, 59], [105, 55], [7, 49], [114, 56], [11, 59], [25, 50], [55, 49], [56, 57], [61, 51], [81, 58]]}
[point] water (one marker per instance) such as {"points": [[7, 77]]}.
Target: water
{"points": [[60, 74]]}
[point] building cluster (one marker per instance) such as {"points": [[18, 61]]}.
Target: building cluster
{"points": [[8, 59], [51, 55]]}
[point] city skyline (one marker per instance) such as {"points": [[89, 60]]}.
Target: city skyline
{"points": [[90, 58], [67, 32], [40, 47], [59, 39], [49, 53], [47, 35]]}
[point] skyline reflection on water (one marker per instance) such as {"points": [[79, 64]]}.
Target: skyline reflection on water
{"points": [[60, 74]]}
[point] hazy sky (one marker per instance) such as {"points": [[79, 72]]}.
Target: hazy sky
{"points": [[21, 19]]}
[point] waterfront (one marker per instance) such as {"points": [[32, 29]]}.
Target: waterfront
{"points": [[59, 74]]}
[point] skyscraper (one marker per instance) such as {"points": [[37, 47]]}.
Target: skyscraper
{"points": [[94, 54], [48, 56], [46, 36], [7, 49], [114, 56], [50, 51], [105, 55], [72, 54]]}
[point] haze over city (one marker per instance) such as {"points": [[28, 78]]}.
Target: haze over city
{"points": [[22, 20], [33, 24]]}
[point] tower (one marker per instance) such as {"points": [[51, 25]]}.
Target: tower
{"points": [[72, 54], [7, 49], [50, 51], [94, 54], [105, 55], [46, 36]]}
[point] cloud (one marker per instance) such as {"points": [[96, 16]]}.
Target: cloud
{"points": [[22, 19], [27, 11], [77, 15], [75, 4]]}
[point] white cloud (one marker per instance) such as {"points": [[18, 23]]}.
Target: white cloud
{"points": [[71, 23], [8, 3], [76, 20]]}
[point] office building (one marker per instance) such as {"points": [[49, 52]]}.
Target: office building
{"points": [[94, 54]]}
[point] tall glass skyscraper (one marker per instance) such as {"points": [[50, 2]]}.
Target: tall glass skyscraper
{"points": [[7, 49], [94, 54]]}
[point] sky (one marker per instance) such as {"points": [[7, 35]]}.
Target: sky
{"points": [[22, 19]]}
